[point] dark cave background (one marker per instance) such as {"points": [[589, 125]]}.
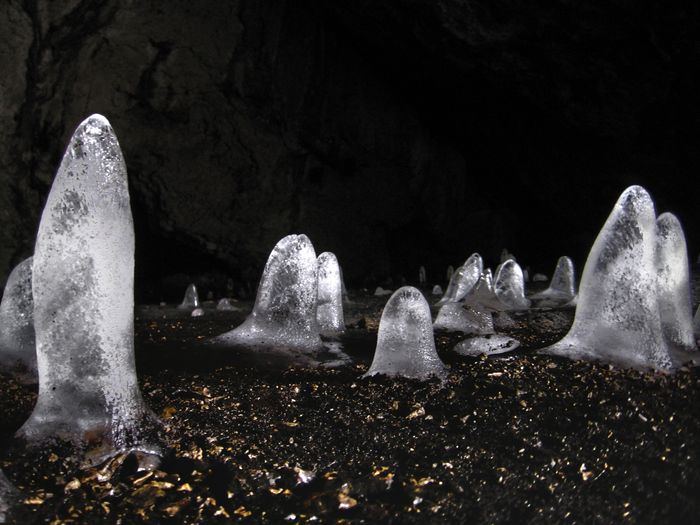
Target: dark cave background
{"points": [[395, 133]]}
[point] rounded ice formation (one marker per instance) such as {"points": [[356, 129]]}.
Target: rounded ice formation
{"points": [[437, 290], [405, 344], [463, 280], [17, 343], [562, 287], [488, 344], [83, 292], [329, 313], [225, 304], [455, 317], [617, 318], [197, 312], [509, 286], [284, 315], [191, 299], [675, 305], [539, 278]]}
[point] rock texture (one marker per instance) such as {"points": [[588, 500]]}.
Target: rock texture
{"points": [[377, 128]]}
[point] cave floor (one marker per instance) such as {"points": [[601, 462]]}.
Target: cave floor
{"points": [[519, 438]]}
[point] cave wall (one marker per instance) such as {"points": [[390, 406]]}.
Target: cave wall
{"points": [[394, 133]]}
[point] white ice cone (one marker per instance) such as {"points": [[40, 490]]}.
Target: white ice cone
{"points": [[405, 344], [329, 313], [509, 286], [562, 287], [191, 299], [83, 292], [463, 280]]}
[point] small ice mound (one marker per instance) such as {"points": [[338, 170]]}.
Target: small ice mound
{"points": [[17, 344], [562, 287], [405, 344], [463, 280], [539, 278], [509, 286], [454, 317], [284, 315], [422, 277], [225, 305], [381, 292], [617, 319], [83, 293], [329, 313], [483, 295], [197, 312], [191, 299], [437, 290], [675, 304], [487, 344]]}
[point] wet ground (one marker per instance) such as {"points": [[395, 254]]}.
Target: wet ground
{"points": [[519, 438]]}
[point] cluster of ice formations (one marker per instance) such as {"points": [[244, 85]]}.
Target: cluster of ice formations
{"points": [[456, 317], [191, 299], [329, 313], [633, 307], [562, 288], [463, 280], [83, 292], [284, 315], [489, 345], [405, 344], [509, 286], [17, 343]]}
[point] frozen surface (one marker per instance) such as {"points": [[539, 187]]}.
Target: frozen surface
{"points": [[463, 280], [454, 317], [191, 299], [83, 292], [509, 286], [405, 344], [284, 315], [226, 305], [489, 345], [562, 287], [380, 292], [675, 306], [617, 318], [329, 313], [17, 344], [437, 290]]}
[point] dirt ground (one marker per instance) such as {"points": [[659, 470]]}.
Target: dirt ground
{"points": [[519, 438]]}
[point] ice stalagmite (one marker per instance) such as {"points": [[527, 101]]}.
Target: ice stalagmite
{"points": [[562, 287], [284, 315], [463, 280], [617, 319], [83, 291], [405, 344], [329, 313], [509, 286], [17, 344], [483, 295], [675, 306], [455, 317], [191, 299]]}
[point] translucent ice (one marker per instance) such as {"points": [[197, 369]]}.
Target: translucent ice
{"points": [[483, 295], [454, 317], [405, 345], [509, 286], [463, 280], [489, 345], [380, 292], [17, 345], [422, 278], [83, 291], [437, 290], [329, 313], [191, 299], [562, 287], [675, 306], [284, 315], [617, 318]]}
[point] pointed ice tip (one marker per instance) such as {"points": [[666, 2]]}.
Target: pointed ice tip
{"points": [[95, 125], [635, 196]]}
